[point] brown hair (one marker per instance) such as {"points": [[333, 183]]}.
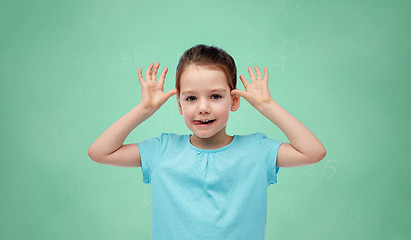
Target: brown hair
{"points": [[209, 56]]}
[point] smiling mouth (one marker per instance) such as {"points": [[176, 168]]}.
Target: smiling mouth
{"points": [[203, 122]]}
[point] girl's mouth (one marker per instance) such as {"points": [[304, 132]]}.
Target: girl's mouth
{"points": [[203, 122]]}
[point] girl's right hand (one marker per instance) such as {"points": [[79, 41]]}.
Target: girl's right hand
{"points": [[152, 95]]}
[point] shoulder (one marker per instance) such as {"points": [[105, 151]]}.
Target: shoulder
{"points": [[163, 139], [257, 140], [160, 143], [172, 139], [251, 137], [167, 136]]}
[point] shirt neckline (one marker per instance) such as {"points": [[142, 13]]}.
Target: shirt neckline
{"points": [[210, 150]]}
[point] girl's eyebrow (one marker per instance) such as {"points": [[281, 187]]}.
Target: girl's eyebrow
{"points": [[211, 90], [218, 90]]}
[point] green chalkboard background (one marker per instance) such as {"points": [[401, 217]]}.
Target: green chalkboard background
{"points": [[68, 70]]}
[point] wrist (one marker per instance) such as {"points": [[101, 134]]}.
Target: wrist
{"points": [[266, 105], [146, 111]]}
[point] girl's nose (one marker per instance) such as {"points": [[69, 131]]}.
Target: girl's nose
{"points": [[204, 106]]}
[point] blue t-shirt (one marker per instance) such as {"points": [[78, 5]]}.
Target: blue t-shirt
{"points": [[209, 194]]}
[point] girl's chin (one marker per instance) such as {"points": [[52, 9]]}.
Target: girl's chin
{"points": [[208, 134], [202, 135]]}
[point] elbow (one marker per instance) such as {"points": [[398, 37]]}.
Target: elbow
{"points": [[92, 154], [319, 155], [315, 156]]}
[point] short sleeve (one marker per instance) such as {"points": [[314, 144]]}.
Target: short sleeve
{"points": [[151, 151], [268, 148]]}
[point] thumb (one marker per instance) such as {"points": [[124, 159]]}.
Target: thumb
{"points": [[170, 93], [239, 93]]}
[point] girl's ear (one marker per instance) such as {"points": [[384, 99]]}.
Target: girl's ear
{"points": [[180, 109], [235, 103]]}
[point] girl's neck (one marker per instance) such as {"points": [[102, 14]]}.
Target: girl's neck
{"points": [[219, 140]]}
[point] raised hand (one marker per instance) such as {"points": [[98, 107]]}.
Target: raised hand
{"points": [[256, 92], [152, 95]]}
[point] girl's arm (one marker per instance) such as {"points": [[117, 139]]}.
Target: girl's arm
{"points": [[304, 147], [108, 148]]}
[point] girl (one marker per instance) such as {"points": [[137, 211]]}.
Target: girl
{"points": [[208, 185]]}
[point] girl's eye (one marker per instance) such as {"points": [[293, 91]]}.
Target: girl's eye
{"points": [[215, 96], [191, 98]]}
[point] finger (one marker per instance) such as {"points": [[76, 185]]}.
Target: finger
{"points": [[170, 93], [154, 72], [266, 74], [258, 73], [250, 70], [140, 76], [244, 81], [162, 77], [240, 93], [149, 71]]}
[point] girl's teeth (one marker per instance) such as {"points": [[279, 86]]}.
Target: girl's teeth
{"points": [[204, 121]]}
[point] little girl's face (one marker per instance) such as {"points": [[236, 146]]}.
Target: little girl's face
{"points": [[205, 100]]}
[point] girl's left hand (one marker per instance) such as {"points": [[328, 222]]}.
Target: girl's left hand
{"points": [[256, 92]]}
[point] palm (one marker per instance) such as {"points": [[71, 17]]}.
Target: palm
{"points": [[256, 92], [152, 95]]}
